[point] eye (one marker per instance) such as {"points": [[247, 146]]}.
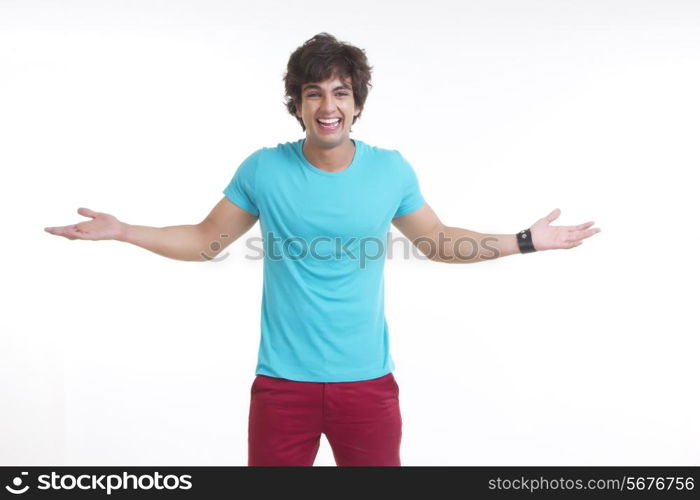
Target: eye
{"points": [[315, 94]]}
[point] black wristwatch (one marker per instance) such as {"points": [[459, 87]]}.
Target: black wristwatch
{"points": [[525, 241]]}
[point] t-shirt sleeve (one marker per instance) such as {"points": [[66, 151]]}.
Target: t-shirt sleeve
{"points": [[241, 189], [411, 197]]}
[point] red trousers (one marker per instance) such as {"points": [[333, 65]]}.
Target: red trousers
{"points": [[361, 420]]}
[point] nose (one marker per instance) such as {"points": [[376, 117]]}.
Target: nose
{"points": [[327, 103]]}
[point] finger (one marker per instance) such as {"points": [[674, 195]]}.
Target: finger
{"points": [[87, 212], [65, 231], [58, 230], [585, 225], [580, 235], [553, 215], [590, 232]]}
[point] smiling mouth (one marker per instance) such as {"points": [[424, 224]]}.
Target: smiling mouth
{"points": [[329, 125]]}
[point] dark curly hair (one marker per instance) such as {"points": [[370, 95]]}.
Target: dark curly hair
{"points": [[323, 57]]}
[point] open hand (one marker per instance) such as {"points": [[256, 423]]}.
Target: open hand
{"points": [[546, 237], [101, 227]]}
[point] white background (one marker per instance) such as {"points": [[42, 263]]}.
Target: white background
{"points": [[113, 355]]}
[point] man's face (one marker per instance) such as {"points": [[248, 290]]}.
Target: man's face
{"points": [[332, 102]]}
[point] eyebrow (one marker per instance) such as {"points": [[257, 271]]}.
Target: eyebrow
{"points": [[316, 87]]}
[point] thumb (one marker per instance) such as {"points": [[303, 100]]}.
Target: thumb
{"points": [[553, 215], [87, 212]]}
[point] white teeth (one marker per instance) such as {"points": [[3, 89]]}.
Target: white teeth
{"points": [[330, 121]]}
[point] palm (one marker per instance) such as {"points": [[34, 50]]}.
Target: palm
{"points": [[101, 227], [546, 237]]}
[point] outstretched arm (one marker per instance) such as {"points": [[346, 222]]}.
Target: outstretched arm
{"points": [[191, 242], [455, 245]]}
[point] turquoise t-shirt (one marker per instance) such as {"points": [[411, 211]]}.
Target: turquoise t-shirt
{"points": [[324, 240]]}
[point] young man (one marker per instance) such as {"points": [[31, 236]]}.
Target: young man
{"points": [[325, 204]]}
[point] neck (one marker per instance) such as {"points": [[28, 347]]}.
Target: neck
{"points": [[331, 159]]}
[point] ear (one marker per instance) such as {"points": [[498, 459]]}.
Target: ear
{"points": [[357, 111]]}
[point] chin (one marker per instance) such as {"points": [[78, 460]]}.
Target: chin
{"points": [[329, 141]]}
